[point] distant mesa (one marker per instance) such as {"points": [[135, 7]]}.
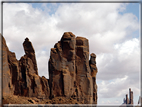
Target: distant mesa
{"points": [[71, 74]]}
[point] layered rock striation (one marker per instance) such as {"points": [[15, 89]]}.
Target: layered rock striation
{"points": [[71, 73]]}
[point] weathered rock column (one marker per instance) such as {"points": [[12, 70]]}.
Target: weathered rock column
{"points": [[83, 72], [30, 53], [68, 62], [70, 72], [21, 77], [94, 71], [62, 66], [32, 84], [130, 96], [127, 100]]}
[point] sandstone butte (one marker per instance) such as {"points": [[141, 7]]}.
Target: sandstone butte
{"points": [[71, 73]]}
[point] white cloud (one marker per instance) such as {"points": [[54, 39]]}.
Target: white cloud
{"points": [[116, 89], [120, 70], [118, 56], [124, 59], [128, 48], [88, 18]]}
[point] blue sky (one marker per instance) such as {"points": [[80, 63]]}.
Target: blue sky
{"points": [[51, 6], [131, 8], [112, 31]]}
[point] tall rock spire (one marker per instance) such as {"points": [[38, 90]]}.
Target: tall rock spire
{"points": [[83, 72], [62, 66], [129, 101], [70, 73], [21, 77], [30, 53], [94, 71], [130, 96]]}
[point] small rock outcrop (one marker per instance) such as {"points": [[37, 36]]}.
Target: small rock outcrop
{"points": [[71, 74]]}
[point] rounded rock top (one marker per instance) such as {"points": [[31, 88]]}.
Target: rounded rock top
{"points": [[93, 55], [27, 39]]}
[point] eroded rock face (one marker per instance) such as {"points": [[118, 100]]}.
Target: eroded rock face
{"points": [[21, 77], [83, 72], [71, 74], [30, 53], [7, 74], [62, 67], [94, 71]]}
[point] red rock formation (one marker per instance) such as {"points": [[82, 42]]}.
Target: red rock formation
{"points": [[30, 53], [62, 67], [70, 73], [21, 77], [94, 71], [7, 64], [83, 73]]}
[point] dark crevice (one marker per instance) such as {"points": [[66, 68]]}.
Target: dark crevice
{"points": [[23, 70], [42, 83], [62, 84], [33, 85]]}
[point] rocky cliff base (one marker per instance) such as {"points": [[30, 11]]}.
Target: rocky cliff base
{"points": [[16, 99]]}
